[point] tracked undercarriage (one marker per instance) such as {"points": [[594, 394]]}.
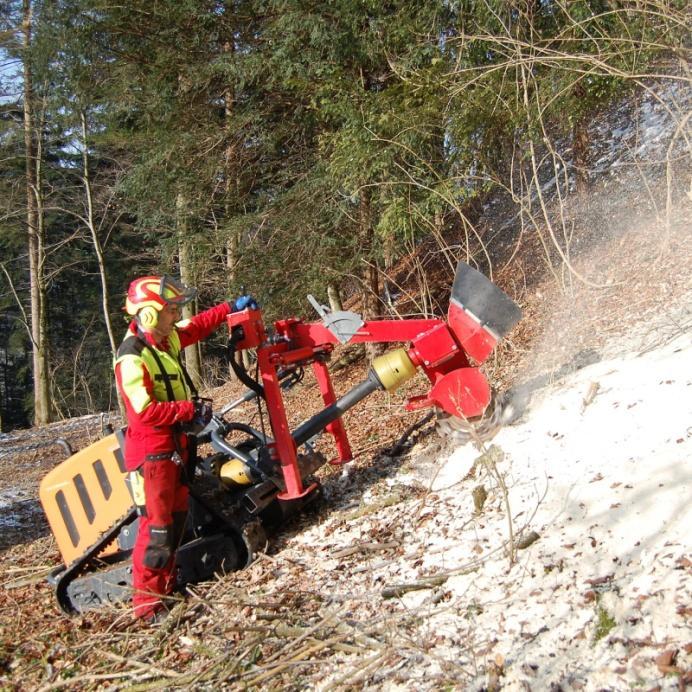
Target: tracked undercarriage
{"points": [[225, 530]]}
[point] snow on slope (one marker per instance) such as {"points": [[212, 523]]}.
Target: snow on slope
{"points": [[607, 486], [599, 467]]}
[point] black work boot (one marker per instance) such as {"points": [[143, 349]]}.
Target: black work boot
{"points": [[157, 617]]}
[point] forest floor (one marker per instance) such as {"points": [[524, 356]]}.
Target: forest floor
{"points": [[556, 557]]}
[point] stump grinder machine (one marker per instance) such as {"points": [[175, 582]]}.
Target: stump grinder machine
{"points": [[246, 486]]}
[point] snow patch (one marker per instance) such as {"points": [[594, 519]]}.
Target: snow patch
{"points": [[599, 467]]}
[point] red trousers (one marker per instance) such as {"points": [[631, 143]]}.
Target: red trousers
{"points": [[160, 532]]}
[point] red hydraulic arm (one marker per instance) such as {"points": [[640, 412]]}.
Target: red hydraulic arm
{"points": [[479, 315]]}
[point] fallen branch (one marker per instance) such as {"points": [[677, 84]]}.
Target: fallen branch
{"points": [[398, 446], [525, 541], [364, 548], [396, 590], [590, 396], [37, 576], [326, 621], [299, 657], [140, 665], [82, 680], [356, 674]]}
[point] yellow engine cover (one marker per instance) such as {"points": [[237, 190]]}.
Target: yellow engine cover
{"points": [[235, 472], [84, 496]]}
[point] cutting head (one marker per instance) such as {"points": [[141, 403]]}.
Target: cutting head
{"points": [[480, 314]]}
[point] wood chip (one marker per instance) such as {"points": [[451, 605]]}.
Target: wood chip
{"points": [[590, 395], [526, 540]]}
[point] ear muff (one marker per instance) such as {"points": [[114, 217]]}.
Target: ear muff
{"points": [[148, 317]]}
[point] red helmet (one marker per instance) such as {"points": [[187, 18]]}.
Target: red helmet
{"points": [[156, 292]]}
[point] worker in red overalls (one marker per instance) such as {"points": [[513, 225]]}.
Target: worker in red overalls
{"points": [[160, 399]]}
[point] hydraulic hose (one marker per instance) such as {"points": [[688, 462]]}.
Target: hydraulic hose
{"points": [[221, 445], [249, 430], [237, 335]]}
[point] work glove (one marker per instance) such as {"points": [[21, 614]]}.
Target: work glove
{"points": [[201, 416], [243, 302], [203, 412]]}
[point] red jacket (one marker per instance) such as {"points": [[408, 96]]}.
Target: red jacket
{"points": [[151, 414]]}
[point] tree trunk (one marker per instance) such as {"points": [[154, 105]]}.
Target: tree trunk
{"points": [[580, 145], [580, 137], [35, 233], [370, 285], [98, 250], [389, 259], [231, 195], [334, 296], [231, 186], [193, 360]]}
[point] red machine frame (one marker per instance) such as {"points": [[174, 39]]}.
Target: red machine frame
{"points": [[441, 349]]}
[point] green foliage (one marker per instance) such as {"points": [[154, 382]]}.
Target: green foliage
{"points": [[605, 622], [297, 142]]}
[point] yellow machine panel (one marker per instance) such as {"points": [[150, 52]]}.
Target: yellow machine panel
{"points": [[85, 495]]}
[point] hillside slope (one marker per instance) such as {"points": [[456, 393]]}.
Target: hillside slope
{"points": [[406, 576], [598, 469]]}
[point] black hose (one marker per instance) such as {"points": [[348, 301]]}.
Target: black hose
{"points": [[321, 420], [221, 445], [236, 335], [253, 432]]}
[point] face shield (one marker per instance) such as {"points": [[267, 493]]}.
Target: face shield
{"points": [[173, 292]]}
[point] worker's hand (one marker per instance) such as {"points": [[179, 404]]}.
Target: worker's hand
{"points": [[243, 302], [202, 414]]}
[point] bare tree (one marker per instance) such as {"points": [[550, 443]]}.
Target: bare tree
{"points": [[35, 232], [370, 279], [192, 353], [93, 231]]}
